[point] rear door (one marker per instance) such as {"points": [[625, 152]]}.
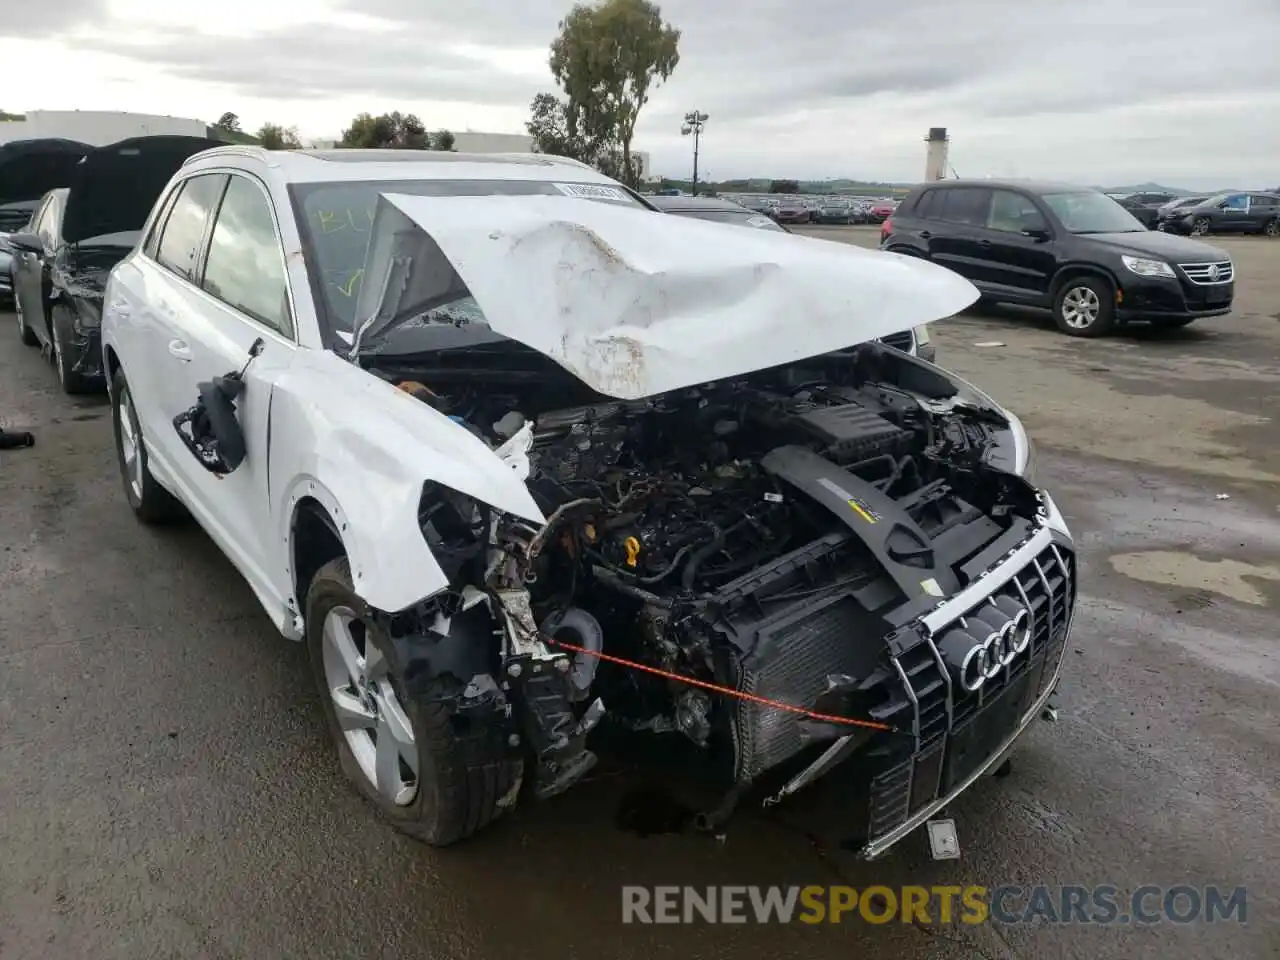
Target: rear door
{"points": [[239, 295], [955, 231], [160, 315]]}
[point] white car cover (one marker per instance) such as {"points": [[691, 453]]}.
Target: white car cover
{"points": [[635, 303]]}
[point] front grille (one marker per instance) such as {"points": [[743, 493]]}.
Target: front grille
{"points": [[904, 341], [954, 731], [1202, 273]]}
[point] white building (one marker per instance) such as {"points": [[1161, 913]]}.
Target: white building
{"points": [[97, 127]]}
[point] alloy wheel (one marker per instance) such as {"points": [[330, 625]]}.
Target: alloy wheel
{"points": [[1080, 308], [130, 445], [1273, 228], [1200, 228], [374, 723]]}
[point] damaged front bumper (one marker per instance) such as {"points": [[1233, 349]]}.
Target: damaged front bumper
{"points": [[950, 736], [80, 337]]}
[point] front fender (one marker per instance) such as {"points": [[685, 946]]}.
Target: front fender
{"points": [[364, 449]]}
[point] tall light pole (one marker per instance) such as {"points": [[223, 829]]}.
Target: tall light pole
{"points": [[693, 122]]}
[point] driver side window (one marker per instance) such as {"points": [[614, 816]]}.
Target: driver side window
{"points": [[1012, 213], [1237, 201]]}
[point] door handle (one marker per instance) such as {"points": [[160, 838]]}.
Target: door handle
{"points": [[180, 350], [984, 243], [925, 234]]}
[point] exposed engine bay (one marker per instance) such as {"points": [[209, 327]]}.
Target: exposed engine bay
{"points": [[852, 491]]}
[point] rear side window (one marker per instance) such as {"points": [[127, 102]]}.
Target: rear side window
{"points": [[245, 264], [1263, 201], [967, 205], [926, 205], [179, 248]]}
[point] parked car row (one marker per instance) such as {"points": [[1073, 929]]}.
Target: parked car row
{"points": [[1073, 250], [811, 208], [86, 218], [419, 441]]}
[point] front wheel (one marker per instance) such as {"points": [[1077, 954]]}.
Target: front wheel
{"points": [[70, 381], [25, 333], [431, 774], [1085, 307], [1200, 227]]}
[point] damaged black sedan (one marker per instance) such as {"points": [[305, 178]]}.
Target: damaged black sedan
{"points": [[76, 235]]}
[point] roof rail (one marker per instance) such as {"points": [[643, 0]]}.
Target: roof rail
{"points": [[232, 150]]}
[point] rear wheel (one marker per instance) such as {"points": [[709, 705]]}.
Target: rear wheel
{"points": [[1085, 307], [431, 775], [1200, 227], [150, 502], [1272, 229]]}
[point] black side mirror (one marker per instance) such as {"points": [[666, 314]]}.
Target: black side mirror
{"points": [[26, 242], [1038, 234]]}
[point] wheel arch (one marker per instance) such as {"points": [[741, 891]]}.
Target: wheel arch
{"points": [[1072, 271], [314, 540]]}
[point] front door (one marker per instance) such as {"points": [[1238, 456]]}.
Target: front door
{"points": [[31, 284], [1019, 247]]}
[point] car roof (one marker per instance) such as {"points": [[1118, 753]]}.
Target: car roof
{"points": [[309, 166], [689, 204], [1028, 186]]}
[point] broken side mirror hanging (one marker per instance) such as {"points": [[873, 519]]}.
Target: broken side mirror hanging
{"points": [[210, 429]]}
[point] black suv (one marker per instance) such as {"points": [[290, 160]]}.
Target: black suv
{"points": [[1229, 213], [1070, 249]]}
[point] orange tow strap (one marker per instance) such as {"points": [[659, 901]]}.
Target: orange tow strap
{"points": [[716, 688]]}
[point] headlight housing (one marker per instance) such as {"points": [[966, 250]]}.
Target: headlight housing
{"points": [[1024, 451], [1144, 267]]}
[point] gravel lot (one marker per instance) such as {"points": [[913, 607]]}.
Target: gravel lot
{"points": [[166, 789]]}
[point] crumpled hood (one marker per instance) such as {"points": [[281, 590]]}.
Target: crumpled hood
{"points": [[31, 168], [635, 303], [116, 186]]}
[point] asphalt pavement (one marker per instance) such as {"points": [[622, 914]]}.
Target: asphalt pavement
{"points": [[167, 788]]}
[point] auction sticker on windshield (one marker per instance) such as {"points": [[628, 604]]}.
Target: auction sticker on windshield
{"points": [[593, 191], [759, 222]]}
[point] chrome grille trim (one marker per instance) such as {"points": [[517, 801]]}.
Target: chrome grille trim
{"points": [[1199, 273]]}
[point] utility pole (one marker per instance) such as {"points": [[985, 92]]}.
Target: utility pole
{"points": [[693, 122]]}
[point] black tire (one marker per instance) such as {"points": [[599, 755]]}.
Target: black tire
{"points": [[1272, 228], [150, 502], [72, 383], [465, 781], [25, 333], [1105, 317], [1200, 227]]}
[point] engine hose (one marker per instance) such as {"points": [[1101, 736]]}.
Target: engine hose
{"points": [[717, 688], [701, 556]]}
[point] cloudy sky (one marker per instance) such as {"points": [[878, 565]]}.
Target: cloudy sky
{"points": [[1097, 91]]}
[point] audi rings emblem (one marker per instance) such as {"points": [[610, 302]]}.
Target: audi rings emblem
{"points": [[986, 641]]}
